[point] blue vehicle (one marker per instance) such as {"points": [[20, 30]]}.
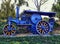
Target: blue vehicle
{"points": [[33, 21]]}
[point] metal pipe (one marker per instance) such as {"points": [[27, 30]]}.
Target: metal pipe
{"points": [[17, 12]]}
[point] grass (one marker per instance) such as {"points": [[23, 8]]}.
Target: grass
{"points": [[30, 40]]}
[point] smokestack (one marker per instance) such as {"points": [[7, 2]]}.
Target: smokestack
{"points": [[17, 12]]}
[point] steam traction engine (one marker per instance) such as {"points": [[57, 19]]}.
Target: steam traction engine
{"points": [[33, 21]]}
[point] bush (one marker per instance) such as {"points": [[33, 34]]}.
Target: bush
{"points": [[1, 27], [56, 25], [25, 42], [14, 42], [30, 40], [45, 19]]}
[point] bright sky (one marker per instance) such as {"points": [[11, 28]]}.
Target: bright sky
{"points": [[46, 7], [0, 3]]}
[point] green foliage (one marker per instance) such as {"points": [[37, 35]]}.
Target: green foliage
{"points": [[14, 42], [56, 25], [25, 42], [56, 8], [21, 2], [1, 27], [45, 19], [30, 40], [7, 9]]}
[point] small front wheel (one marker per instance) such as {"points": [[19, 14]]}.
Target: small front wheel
{"points": [[8, 32]]}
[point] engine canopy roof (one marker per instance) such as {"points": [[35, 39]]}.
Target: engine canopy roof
{"points": [[50, 14]]}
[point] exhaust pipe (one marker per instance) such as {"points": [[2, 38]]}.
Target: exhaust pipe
{"points": [[17, 12]]}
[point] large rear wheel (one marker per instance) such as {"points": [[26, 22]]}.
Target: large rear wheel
{"points": [[42, 27]]}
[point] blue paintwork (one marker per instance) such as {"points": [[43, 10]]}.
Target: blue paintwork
{"points": [[17, 12], [35, 18], [32, 20], [51, 23]]}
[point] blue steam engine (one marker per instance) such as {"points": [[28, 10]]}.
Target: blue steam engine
{"points": [[33, 21]]}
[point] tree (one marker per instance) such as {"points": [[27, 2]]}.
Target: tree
{"points": [[38, 3], [56, 8], [7, 9], [20, 3]]}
